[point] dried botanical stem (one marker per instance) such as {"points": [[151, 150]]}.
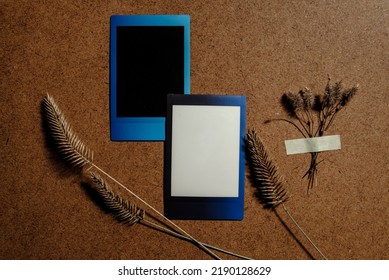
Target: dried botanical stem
{"points": [[290, 122], [157, 212], [312, 171], [303, 124], [270, 185], [123, 210], [303, 232], [126, 212], [76, 153], [69, 145], [311, 123], [330, 121], [168, 231], [267, 180]]}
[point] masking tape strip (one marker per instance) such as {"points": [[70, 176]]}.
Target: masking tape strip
{"points": [[314, 144]]}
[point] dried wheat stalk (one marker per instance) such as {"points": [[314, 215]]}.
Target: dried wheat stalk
{"points": [[268, 182], [68, 144], [128, 213], [123, 210]]}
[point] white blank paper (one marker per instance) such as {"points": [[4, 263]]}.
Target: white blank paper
{"points": [[205, 151]]}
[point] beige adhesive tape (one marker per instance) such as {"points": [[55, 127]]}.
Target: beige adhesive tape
{"points": [[314, 144]]}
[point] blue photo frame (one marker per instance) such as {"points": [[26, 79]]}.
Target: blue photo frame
{"points": [[149, 58], [205, 157]]}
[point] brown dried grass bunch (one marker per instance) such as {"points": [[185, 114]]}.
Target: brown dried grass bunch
{"points": [[312, 115]]}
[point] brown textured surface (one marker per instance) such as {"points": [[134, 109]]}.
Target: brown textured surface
{"points": [[258, 48]]}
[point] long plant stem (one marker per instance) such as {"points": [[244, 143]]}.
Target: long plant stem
{"points": [[292, 123], [311, 123], [157, 212], [302, 231], [168, 231], [302, 123], [331, 121], [312, 171]]}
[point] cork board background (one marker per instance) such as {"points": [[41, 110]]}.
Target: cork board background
{"points": [[256, 48]]}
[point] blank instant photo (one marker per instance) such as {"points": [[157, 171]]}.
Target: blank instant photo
{"points": [[149, 59], [205, 157]]}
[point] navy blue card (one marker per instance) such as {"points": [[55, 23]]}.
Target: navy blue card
{"points": [[204, 157], [149, 58]]}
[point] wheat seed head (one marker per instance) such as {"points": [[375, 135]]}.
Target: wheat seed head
{"points": [[123, 210], [69, 145], [308, 99], [267, 180]]}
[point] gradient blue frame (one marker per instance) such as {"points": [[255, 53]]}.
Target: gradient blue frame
{"points": [[204, 208], [143, 128]]}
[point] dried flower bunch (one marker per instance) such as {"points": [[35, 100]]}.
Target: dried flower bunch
{"points": [[312, 115], [75, 152], [268, 182]]}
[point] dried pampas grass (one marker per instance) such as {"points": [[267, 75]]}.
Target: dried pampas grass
{"points": [[128, 213], [67, 142], [266, 179], [123, 210]]}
